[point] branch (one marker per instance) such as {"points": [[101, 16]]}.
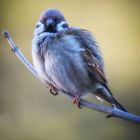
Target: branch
{"points": [[107, 110]]}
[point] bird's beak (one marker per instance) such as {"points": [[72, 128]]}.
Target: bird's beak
{"points": [[50, 23]]}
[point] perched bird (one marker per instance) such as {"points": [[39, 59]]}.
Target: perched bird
{"points": [[68, 59]]}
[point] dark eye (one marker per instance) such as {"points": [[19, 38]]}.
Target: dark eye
{"points": [[65, 25], [37, 26]]}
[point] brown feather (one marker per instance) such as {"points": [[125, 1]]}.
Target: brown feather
{"points": [[93, 67]]}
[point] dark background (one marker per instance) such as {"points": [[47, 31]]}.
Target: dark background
{"points": [[29, 112]]}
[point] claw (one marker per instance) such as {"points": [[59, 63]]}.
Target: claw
{"points": [[76, 100], [52, 89]]}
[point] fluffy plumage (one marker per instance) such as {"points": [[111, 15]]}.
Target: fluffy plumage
{"points": [[69, 59]]}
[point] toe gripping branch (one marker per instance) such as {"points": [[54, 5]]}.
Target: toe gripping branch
{"points": [[76, 100], [52, 90]]}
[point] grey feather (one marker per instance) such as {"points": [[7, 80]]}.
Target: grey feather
{"points": [[71, 61]]}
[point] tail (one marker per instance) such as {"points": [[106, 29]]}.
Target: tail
{"points": [[113, 101], [118, 105], [105, 93]]}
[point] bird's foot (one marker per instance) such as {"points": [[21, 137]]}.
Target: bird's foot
{"points": [[76, 100], [52, 89]]}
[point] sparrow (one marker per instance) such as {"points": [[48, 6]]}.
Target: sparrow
{"points": [[69, 59]]}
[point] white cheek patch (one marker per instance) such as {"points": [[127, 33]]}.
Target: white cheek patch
{"points": [[60, 26], [39, 28]]}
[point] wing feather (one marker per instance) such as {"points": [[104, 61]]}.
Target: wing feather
{"points": [[91, 56]]}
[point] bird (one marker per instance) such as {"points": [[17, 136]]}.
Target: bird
{"points": [[68, 59]]}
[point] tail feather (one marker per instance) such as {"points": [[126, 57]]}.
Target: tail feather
{"points": [[118, 105], [114, 101], [105, 93]]}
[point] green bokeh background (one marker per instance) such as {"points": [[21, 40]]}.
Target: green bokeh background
{"points": [[29, 112]]}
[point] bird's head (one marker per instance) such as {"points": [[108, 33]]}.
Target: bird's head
{"points": [[51, 21]]}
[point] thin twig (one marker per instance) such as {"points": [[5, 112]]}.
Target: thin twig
{"points": [[107, 110]]}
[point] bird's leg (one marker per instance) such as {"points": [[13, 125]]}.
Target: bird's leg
{"points": [[76, 100], [52, 89]]}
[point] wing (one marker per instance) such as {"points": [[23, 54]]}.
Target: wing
{"points": [[94, 67], [91, 56]]}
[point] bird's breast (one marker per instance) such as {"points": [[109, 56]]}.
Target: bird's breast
{"points": [[64, 65]]}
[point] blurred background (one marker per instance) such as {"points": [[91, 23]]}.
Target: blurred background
{"points": [[29, 112]]}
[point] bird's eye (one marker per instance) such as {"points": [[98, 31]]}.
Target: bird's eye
{"points": [[37, 26], [65, 25]]}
